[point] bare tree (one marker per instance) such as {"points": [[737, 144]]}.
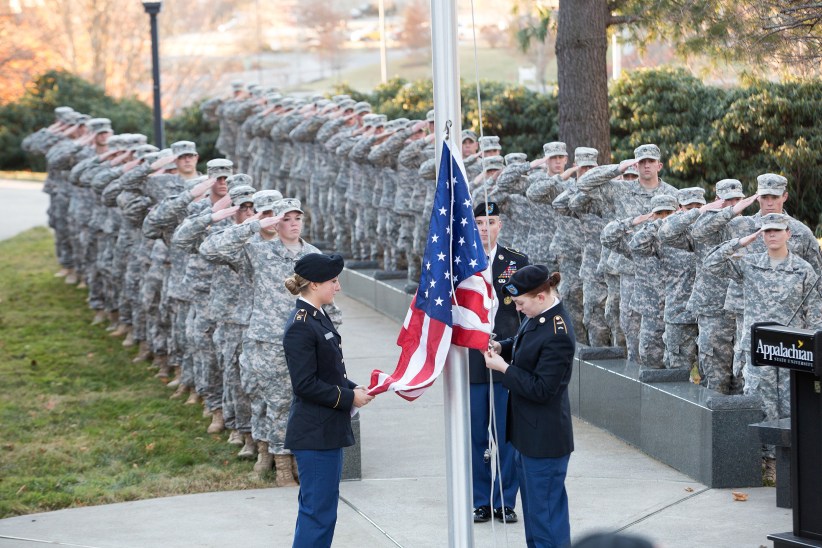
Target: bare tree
{"points": [[416, 25]]}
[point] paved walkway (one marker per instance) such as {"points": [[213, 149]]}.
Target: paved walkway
{"points": [[23, 205], [401, 500]]}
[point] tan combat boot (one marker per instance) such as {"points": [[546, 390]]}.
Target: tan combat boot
{"points": [[282, 464], [234, 437], [114, 321], [120, 330], [99, 317], [71, 277], [129, 341], [178, 377], [294, 471], [769, 471], [82, 284], [62, 273], [193, 398], [264, 460], [249, 450], [165, 370], [181, 391], [217, 423], [144, 353]]}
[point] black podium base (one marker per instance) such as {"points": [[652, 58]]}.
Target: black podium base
{"points": [[789, 540]]}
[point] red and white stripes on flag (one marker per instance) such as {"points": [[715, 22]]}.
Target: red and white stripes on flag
{"points": [[455, 302]]}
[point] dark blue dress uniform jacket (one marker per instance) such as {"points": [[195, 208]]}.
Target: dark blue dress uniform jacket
{"points": [[320, 415], [539, 411], [506, 322]]}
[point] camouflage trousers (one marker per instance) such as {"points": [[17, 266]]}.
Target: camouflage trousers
{"points": [[339, 221], [93, 278], [365, 233], [156, 318], [680, 345], [594, 296], [58, 220], [388, 229], [266, 380], [651, 344], [105, 266], [739, 352], [228, 341], [79, 237], [132, 289], [772, 384], [629, 320], [208, 377], [716, 351], [570, 291], [126, 272], [612, 310], [179, 352]]}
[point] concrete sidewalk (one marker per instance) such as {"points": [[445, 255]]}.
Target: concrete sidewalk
{"points": [[23, 205], [401, 500]]}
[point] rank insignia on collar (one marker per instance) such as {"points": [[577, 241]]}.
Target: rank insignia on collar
{"points": [[300, 316]]}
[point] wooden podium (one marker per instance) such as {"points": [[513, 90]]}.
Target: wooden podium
{"points": [[799, 350]]}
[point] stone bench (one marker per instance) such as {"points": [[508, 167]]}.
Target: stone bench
{"points": [[778, 433]]}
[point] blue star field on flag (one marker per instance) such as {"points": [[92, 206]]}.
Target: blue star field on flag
{"points": [[454, 249]]}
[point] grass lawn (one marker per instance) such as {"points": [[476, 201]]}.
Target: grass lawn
{"points": [[81, 424]]}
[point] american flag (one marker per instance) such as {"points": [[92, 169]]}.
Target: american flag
{"points": [[454, 303]]}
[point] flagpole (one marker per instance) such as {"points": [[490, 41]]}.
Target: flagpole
{"points": [[447, 107]]}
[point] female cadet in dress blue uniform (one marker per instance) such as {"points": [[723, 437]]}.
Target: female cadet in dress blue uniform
{"points": [[319, 422], [539, 412]]}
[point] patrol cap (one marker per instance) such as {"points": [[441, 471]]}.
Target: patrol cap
{"points": [[429, 116], [144, 150], [99, 125], [368, 119], [181, 148], [285, 205], [586, 156], [219, 167], [554, 148], [493, 163], [319, 267], [771, 184], [152, 157], [59, 112], [238, 179], [362, 107], [492, 211], [191, 183], [691, 195], [241, 194], [137, 140], [489, 142], [631, 170], [237, 85], [663, 202], [348, 104], [515, 158], [379, 120], [775, 221], [647, 151], [81, 119], [339, 99], [469, 134], [728, 189], [264, 200], [115, 142], [527, 279]]}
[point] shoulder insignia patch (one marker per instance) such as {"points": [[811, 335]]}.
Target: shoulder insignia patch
{"points": [[301, 315], [559, 325], [517, 251]]}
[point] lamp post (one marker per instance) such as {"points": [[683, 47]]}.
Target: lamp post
{"points": [[152, 9]]}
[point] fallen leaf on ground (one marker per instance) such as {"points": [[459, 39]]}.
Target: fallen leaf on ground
{"points": [[739, 497], [22, 488], [150, 447], [689, 489]]}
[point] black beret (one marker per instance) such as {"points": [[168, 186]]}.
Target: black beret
{"points": [[493, 209], [527, 279], [318, 267]]}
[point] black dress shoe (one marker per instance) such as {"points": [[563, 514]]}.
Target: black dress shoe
{"points": [[482, 514], [510, 515]]}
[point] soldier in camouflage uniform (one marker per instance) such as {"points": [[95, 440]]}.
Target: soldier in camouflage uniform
{"points": [[716, 326], [542, 216], [779, 286], [208, 377], [268, 245], [630, 199], [230, 307]]}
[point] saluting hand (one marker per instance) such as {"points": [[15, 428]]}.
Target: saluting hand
{"points": [[222, 203], [639, 219], [719, 203], [271, 221], [162, 162], [224, 213], [747, 240], [201, 188], [255, 217], [743, 204], [625, 164]]}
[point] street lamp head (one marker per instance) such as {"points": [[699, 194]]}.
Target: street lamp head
{"points": [[152, 8]]}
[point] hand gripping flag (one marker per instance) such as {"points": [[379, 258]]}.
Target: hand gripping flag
{"points": [[454, 303]]}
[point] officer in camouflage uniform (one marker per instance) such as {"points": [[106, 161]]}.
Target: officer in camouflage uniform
{"points": [[630, 199], [716, 326], [779, 286]]}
